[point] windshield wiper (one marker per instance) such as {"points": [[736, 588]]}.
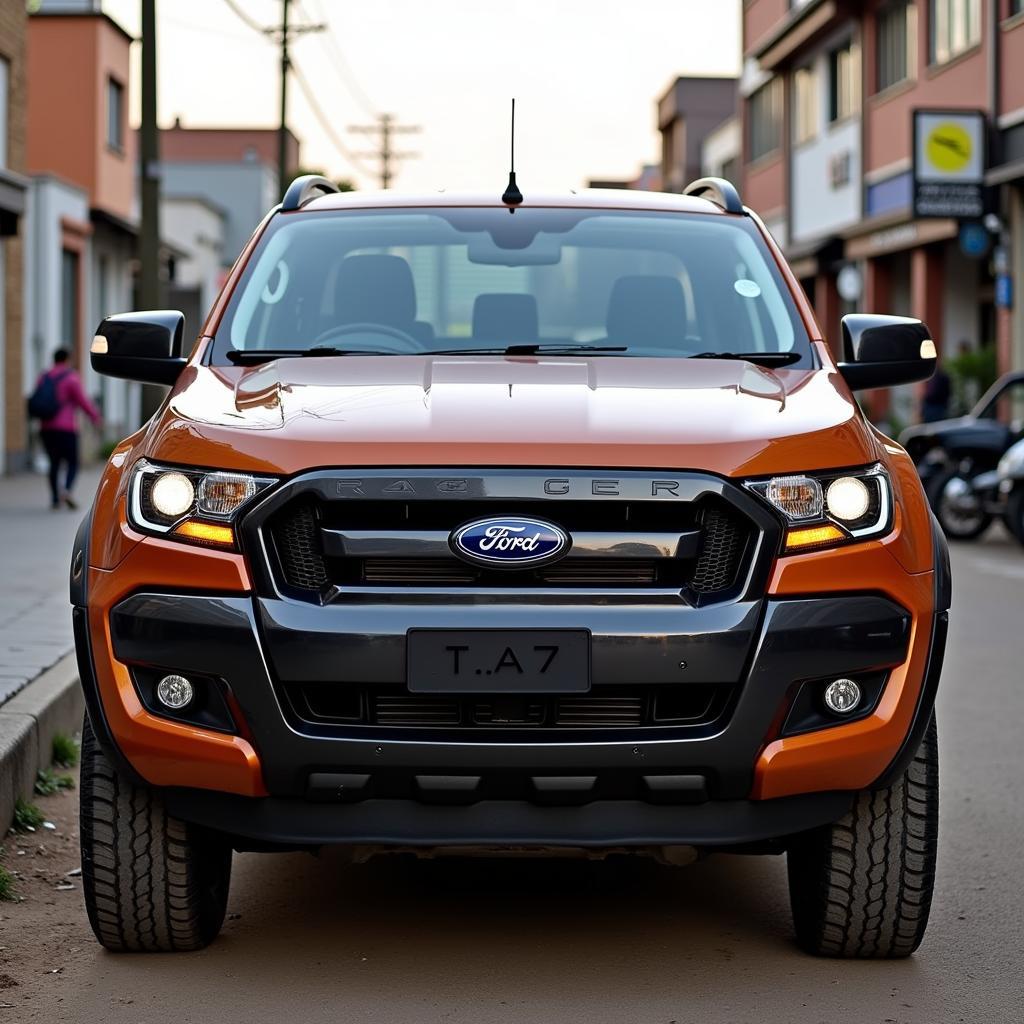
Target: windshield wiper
{"points": [[249, 357], [761, 358], [525, 350]]}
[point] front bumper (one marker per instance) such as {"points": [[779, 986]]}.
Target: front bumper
{"points": [[235, 639], [257, 786]]}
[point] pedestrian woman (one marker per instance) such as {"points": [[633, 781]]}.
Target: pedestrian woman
{"points": [[57, 399]]}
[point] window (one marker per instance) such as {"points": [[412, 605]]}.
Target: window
{"points": [[5, 78], [805, 104], [897, 43], [764, 110], [955, 27], [446, 279], [1016, 7], [69, 299], [844, 82], [115, 115]]}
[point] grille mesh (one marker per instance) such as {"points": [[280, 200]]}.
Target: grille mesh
{"points": [[298, 546], [720, 553]]}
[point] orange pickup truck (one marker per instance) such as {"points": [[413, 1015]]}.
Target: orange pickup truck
{"points": [[480, 525]]}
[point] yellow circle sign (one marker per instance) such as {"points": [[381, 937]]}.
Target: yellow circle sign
{"points": [[948, 147]]}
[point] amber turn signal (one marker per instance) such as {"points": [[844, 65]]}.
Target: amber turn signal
{"points": [[207, 533], [813, 537]]}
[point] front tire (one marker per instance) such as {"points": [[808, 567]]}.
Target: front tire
{"points": [[862, 888], [153, 883]]}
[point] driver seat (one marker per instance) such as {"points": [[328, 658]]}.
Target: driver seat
{"points": [[377, 288]]}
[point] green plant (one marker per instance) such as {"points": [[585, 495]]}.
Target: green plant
{"points": [[972, 373], [6, 885], [65, 750], [49, 782], [26, 816]]}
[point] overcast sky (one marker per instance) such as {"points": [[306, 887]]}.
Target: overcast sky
{"points": [[585, 74]]}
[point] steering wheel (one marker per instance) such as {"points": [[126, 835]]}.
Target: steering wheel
{"points": [[411, 344]]}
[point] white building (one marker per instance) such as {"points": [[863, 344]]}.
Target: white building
{"points": [[195, 226]]}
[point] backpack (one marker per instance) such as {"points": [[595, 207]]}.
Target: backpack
{"points": [[44, 403]]}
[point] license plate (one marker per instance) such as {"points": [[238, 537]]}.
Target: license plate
{"points": [[498, 660]]}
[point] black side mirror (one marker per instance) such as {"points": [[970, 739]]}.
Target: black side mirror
{"points": [[140, 346], [881, 351]]}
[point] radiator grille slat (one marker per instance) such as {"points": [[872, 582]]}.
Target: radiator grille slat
{"points": [[606, 707]]}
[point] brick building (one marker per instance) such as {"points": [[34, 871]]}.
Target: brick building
{"points": [[13, 186], [829, 91]]}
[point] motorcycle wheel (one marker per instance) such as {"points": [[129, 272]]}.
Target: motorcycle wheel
{"points": [[957, 509]]}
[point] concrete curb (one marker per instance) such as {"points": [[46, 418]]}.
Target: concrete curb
{"points": [[51, 703]]}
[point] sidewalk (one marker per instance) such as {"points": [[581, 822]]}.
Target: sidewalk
{"points": [[35, 555]]}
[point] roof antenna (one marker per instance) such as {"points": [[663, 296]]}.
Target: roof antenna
{"points": [[512, 196]]}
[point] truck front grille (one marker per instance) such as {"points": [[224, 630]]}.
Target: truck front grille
{"points": [[605, 707], [711, 572]]}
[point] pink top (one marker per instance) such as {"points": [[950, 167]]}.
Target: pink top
{"points": [[71, 397]]}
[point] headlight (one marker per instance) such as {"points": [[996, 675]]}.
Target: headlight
{"points": [[194, 505], [827, 509]]}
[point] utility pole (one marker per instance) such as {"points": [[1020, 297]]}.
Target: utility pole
{"points": [[285, 32], [149, 173], [282, 128], [149, 169], [386, 128]]}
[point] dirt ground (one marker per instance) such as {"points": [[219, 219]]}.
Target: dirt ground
{"points": [[48, 906]]}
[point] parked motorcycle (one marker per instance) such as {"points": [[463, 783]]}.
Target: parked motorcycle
{"points": [[998, 493], [951, 454]]}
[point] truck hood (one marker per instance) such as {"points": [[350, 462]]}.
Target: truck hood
{"points": [[728, 417]]}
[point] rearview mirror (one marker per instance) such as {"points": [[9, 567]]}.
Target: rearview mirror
{"points": [[881, 351], [140, 346]]}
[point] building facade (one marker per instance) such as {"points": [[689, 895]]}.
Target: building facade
{"points": [[78, 143], [13, 198], [195, 227], [690, 109], [234, 169], [883, 142]]}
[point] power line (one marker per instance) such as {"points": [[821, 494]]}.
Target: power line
{"points": [[329, 40], [253, 24], [284, 34], [325, 123]]}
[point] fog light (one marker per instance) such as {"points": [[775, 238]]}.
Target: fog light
{"points": [[842, 696], [176, 691]]}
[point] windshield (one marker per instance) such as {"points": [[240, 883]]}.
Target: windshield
{"points": [[408, 281]]}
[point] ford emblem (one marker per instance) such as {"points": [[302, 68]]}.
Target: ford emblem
{"points": [[511, 542]]}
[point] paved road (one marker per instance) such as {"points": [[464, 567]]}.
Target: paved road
{"points": [[497, 941]]}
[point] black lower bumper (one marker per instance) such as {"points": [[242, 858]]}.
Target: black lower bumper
{"points": [[789, 641], [285, 822]]}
